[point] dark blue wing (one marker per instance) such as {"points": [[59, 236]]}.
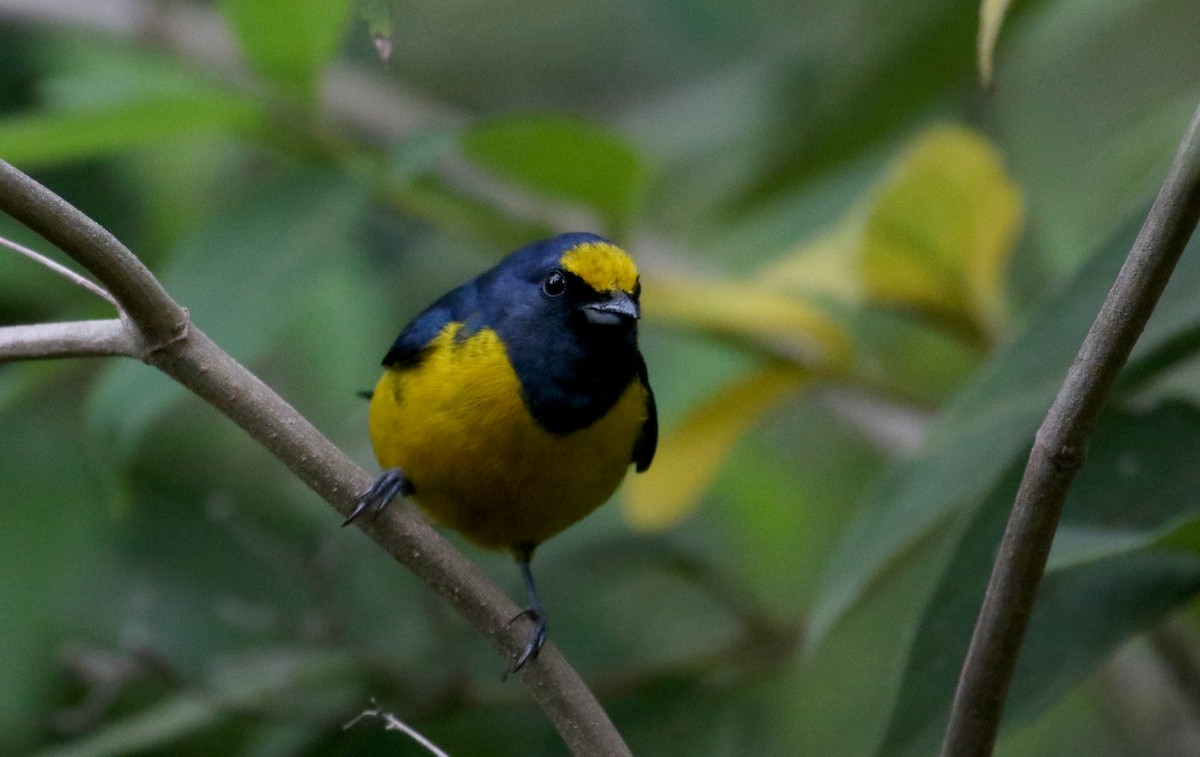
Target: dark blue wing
{"points": [[647, 441], [457, 305]]}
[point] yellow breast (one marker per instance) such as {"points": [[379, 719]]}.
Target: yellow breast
{"points": [[479, 463]]}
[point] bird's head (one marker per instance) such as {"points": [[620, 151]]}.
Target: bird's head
{"points": [[585, 279], [598, 281], [567, 311]]}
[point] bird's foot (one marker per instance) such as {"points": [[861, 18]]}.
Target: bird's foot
{"points": [[537, 637], [387, 486]]}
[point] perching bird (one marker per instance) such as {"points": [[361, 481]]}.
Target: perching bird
{"points": [[514, 405]]}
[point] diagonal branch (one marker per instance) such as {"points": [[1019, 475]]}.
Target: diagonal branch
{"points": [[1059, 451], [184, 352]]}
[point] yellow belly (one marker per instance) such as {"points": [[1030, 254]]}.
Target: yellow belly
{"points": [[479, 463]]}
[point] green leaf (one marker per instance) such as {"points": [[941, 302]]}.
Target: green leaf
{"points": [[413, 186], [1117, 85], [1140, 480], [778, 545], [288, 42], [564, 158], [50, 137], [969, 468], [431, 200], [52, 547], [861, 662], [242, 277], [1081, 723], [906, 358], [836, 108], [94, 75], [991, 421]]}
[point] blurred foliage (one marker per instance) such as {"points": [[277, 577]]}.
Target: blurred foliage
{"points": [[288, 42], [864, 279], [568, 159]]}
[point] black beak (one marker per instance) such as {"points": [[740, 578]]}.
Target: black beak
{"points": [[612, 310]]}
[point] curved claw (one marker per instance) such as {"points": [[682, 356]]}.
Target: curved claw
{"points": [[386, 487], [537, 637]]}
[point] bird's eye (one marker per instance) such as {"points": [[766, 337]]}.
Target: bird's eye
{"points": [[555, 284]]}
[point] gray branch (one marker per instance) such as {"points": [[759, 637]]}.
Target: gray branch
{"points": [[108, 338], [1058, 453], [167, 340]]}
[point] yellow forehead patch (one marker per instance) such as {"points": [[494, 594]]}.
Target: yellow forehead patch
{"points": [[605, 267]]}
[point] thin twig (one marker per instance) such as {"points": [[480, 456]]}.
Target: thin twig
{"points": [[1059, 451], [181, 350], [61, 270], [393, 723]]}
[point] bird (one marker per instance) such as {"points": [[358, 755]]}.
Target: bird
{"points": [[514, 405]]}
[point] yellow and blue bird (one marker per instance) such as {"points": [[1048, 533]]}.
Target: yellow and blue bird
{"points": [[514, 405]]}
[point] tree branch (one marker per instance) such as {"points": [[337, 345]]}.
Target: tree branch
{"points": [[184, 352], [1059, 451], [153, 313], [105, 338]]}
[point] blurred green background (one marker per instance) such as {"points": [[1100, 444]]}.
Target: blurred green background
{"points": [[865, 275]]}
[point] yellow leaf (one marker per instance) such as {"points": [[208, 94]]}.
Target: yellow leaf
{"points": [[779, 322], [991, 17], [934, 236], [690, 455], [824, 267], [942, 226]]}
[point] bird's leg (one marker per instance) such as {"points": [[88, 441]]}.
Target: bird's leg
{"points": [[386, 487], [537, 637]]}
